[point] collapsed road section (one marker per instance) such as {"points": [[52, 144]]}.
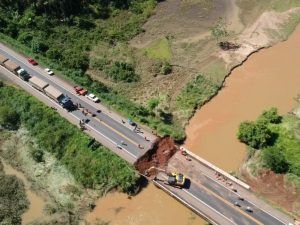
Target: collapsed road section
{"points": [[206, 189]]}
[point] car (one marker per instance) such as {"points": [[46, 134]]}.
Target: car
{"points": [[93, 97], [249, 209], [131, 122], [32, 61], [50, 72], [80, 90], [237, 204]]}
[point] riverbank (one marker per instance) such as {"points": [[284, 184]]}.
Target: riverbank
{"points": [[268, 78]]}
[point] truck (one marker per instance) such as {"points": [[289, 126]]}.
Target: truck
{"points": [[23, 74], [59, 97], [11, 66], [3, 59], [38, 83]]}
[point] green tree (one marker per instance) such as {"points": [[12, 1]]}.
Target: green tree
{"points": [[9, 118], [256, 135], [275, 160], [270, 116]]}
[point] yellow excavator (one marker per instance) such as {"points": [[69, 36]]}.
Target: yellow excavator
{"points": [[174, 179]]}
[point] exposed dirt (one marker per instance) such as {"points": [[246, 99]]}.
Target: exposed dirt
{"points": [[266, 31], [162, 151], [274, 187]]}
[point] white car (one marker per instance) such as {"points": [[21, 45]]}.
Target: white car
{"points": [[50, 72], [92, 97]]}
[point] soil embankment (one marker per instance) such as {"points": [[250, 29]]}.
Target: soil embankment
{"points": [[158, 156]]}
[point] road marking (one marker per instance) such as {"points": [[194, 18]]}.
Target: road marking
{"points": [[209, 206], [105, 124], [106, 137], [189, 205], [39, 92], [66, 90], [198, 199], [245, 199], [230, 204]]}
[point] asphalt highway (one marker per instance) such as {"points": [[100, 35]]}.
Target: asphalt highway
{"points": [[113, 130], [216, 202]]}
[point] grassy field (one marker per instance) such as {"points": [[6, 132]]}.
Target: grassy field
{"points": [[160, 50]]}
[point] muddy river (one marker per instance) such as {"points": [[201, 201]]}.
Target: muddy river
{"points": [[268, 78], [36, 202]]}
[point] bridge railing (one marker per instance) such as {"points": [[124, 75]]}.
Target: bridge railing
{"points": [[215, 168]]}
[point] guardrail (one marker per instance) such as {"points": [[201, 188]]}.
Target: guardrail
{"points": [[185, 203], [217, 169]]}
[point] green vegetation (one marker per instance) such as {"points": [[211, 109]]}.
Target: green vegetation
{"points": [[94, 166], [160, 50], [13, 199], [219, 31], [195, 94], [9, 118], [122, 71], [62, 38], [278, 139]]}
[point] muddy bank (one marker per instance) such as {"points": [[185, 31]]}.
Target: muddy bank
{"points": [[37, 203], [268, 78]]}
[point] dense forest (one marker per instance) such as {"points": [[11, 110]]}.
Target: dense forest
{"points": [[92, 164]]}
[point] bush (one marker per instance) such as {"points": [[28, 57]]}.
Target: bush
{"points": [[122, 71], [9, 118], [12, 198], [275, 160], [270, 116], [256, 135]]}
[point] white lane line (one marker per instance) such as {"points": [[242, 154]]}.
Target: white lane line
{"points": [[70, 113], [16, 56], [184, 202], [245, 199], [209, 206], [106, 137]]}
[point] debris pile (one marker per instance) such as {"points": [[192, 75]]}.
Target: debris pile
{"points": [[158, 156]]}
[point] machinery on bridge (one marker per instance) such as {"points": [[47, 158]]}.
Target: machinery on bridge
{"points": [[173, 179]]}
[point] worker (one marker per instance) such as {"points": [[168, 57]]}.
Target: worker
{"points": [[122, 142], [123, 121]]}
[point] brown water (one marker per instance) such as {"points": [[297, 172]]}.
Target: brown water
{"points": [[36, 203], [152, 206], [268, 78]]}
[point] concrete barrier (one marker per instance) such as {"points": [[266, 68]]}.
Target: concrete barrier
{"points": [[185, 203], [208, 164]]}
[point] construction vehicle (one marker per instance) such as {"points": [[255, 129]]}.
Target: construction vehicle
{"points": [[174, 179]]}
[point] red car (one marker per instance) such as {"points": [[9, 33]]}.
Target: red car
{"points": [[32, 61], [80, 90]]}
